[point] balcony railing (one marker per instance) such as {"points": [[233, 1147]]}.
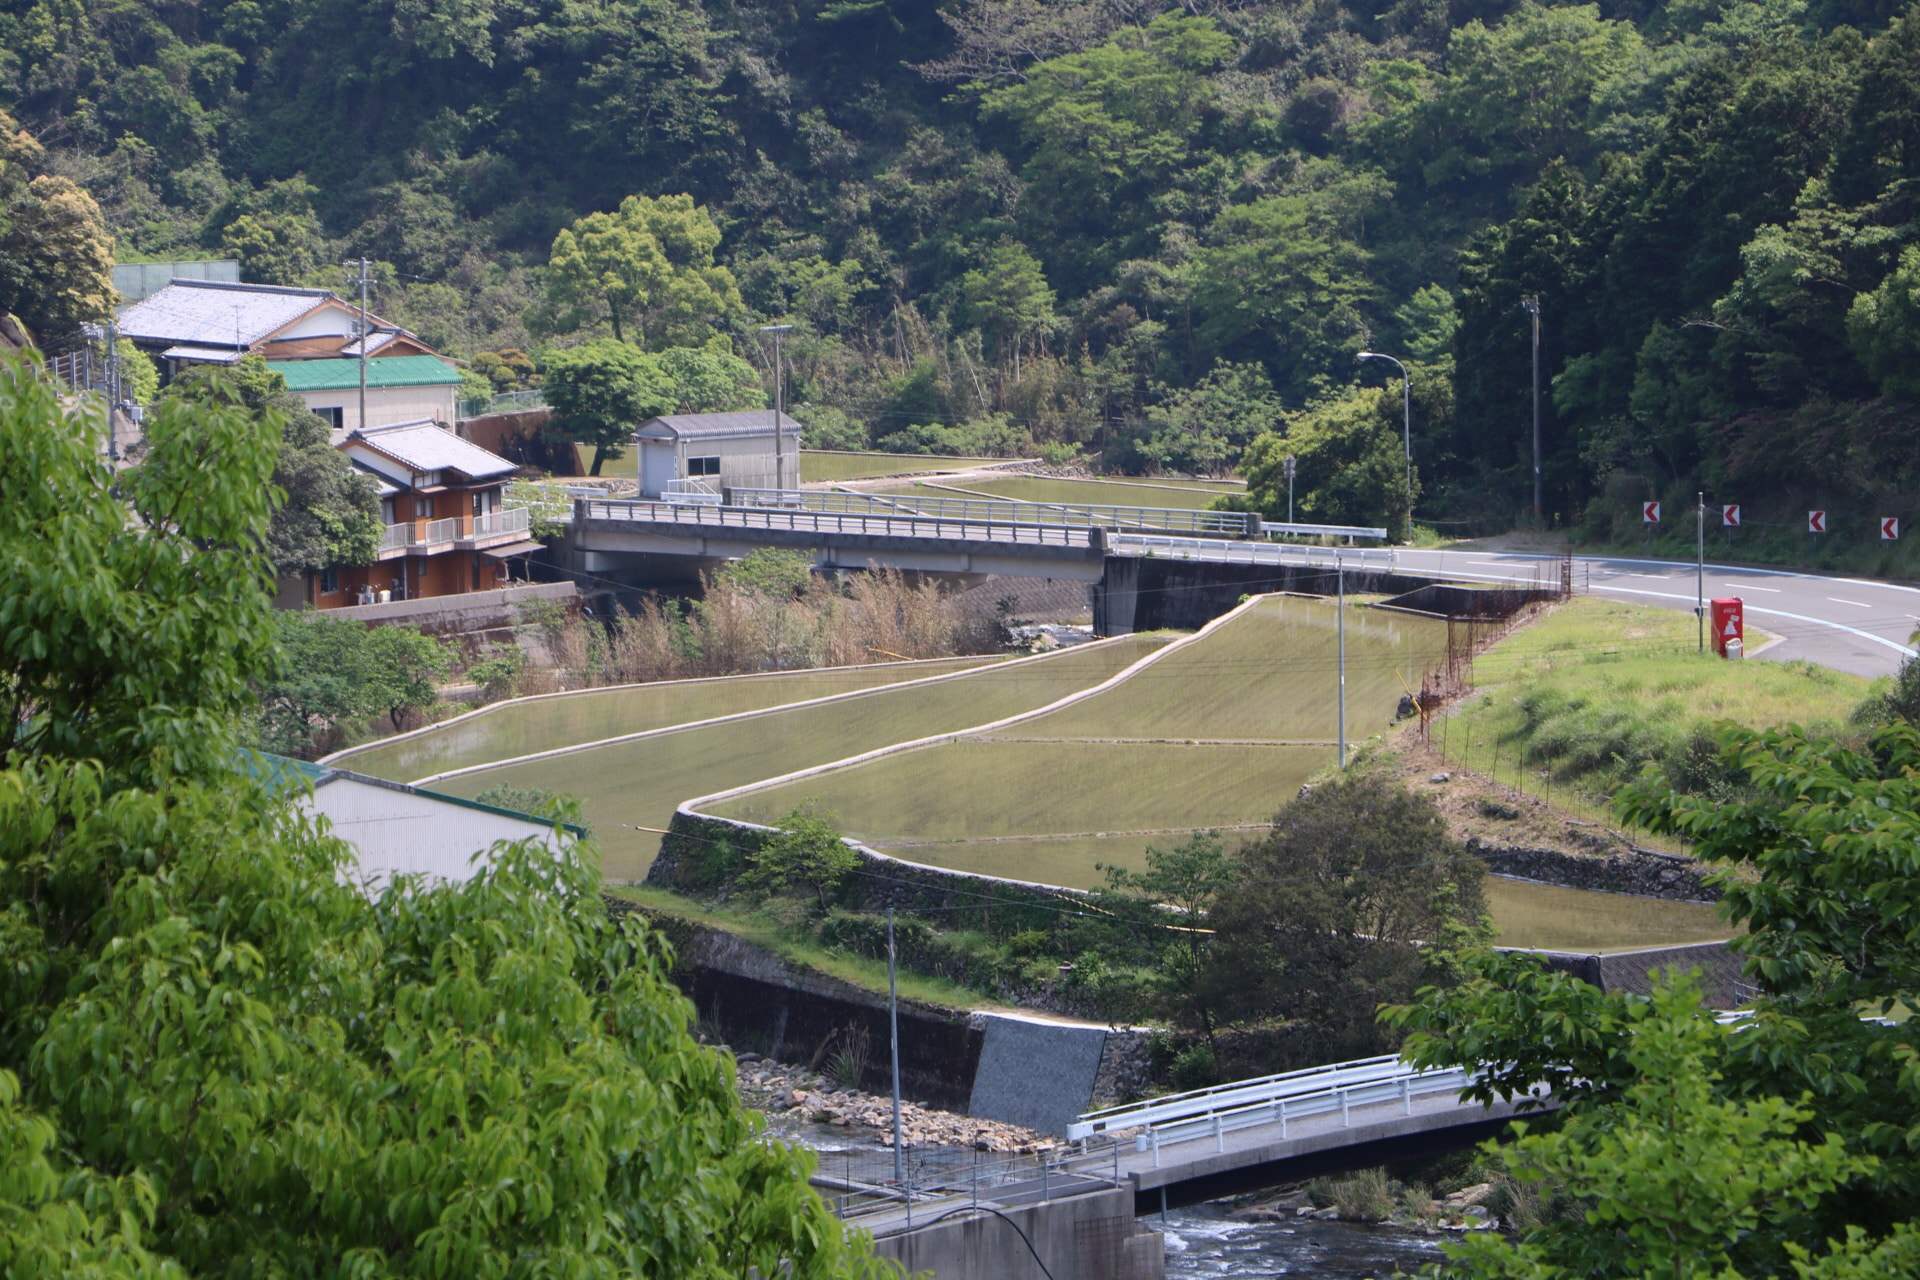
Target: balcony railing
{"points": [[505, 520], [417, 536]]}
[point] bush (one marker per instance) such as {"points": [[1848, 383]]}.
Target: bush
{"points": [[499, 675], [1194, 1068]]}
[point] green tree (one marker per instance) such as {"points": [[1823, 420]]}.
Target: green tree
{"points": [[230, 1061], [275, 233], [1672, 1177], [1350, 464], [330, 513], [1331, 914], [1190, 876], [1205, 428], [56, 258], [601, 391], [1283, 281], [1813, 854], [329, 673], [1884, 327], [805, 853], [1007, 297], [649, 264], [705, 380]]}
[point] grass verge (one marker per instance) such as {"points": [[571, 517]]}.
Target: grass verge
{"points": [[1573, 706], [796, 945]]}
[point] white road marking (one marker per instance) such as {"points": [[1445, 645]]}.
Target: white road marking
{"points": [[1735, 586], [1855, 603]]}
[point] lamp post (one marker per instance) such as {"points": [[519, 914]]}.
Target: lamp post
{"points": [[1532, 307], [779, 332], [1406, 425]]}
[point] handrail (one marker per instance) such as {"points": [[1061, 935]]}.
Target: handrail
{"points": [[735, 517], [502, 520], [1271, 1100], [1229, 524], [1360, 559]]}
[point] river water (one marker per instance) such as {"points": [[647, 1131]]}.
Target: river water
{"points": [[1203, 1242]]}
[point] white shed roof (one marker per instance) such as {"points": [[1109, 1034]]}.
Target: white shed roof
{"points": [[716, 426]]}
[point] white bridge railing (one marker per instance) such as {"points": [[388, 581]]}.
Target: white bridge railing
{"points": [[682, 514], [1215, 524], [1270, 1100], [1219, 551]]}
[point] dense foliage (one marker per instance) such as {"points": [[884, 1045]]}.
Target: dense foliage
{"points": [[217, 1056], [1678, 1129], [1135, 228]]}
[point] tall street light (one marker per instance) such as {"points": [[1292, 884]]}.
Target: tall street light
{"points": [[1406, 407], [779, 332], [1531, 305]]}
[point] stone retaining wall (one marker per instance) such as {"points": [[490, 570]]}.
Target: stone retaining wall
{"points": [[1646, 875]]}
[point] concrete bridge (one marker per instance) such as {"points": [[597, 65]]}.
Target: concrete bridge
{"points": [[1075, 1208], [1012, 539]]}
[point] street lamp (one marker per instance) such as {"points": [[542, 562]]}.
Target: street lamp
{"points": [[779, 332], [1406, 406], [1531, 305]]}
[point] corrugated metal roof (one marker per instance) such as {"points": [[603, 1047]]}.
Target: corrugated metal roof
{"points": [[427, 446], [217, 314], [206, 355], [745, 422], [388, 371]]}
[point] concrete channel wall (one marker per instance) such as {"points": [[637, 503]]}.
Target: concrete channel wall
{"points": [[1088, 1237]]}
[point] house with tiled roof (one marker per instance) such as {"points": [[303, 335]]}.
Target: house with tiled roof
{"points": [[448, 530], [311, 337]]}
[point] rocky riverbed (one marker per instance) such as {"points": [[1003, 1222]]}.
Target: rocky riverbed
{"points": [[792, 1096]]}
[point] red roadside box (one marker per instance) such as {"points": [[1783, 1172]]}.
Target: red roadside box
{"points": [[1729, 626]]}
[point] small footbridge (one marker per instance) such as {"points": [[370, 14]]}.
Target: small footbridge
{"points": [[1173, 1151]]}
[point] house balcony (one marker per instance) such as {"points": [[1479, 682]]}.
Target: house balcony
{"points": [[466, 533]]}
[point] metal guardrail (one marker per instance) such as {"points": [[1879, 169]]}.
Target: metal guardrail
{"points": [[896, 526], [1270, 1100], [859, 1185], [1218, 524], [1219, 551], [1323, 531]]}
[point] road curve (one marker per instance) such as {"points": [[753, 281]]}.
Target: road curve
{"points": [[1850, 624]]}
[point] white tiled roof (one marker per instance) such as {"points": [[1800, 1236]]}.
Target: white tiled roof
{"points": [[215, 314], [427, 446]]}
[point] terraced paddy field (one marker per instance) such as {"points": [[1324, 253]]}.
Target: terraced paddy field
{"points": [[629, 790], [531, 725], [818, 466], [1219, 731], [1549, 917], [1174, 494]]}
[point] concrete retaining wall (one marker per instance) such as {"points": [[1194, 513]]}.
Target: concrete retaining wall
{"points": [[1147, 593], [1090, 1237], [1645, 875], [1636, 971], [471, 611]]}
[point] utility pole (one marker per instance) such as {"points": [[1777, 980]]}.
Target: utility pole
{"points": [[1340, 598], [113, 389], [779, 332], [893, 1032], [366, 331], [1532, 307], [1700, 568], [1291, 460]]}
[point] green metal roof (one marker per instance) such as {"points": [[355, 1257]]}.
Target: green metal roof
{"points": [[382, 371]]}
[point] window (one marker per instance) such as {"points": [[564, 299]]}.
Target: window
{"points": [[329, 581], [703, 466], [335, 418]]}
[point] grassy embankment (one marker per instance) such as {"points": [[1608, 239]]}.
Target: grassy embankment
{"points": [[1571, 707]]}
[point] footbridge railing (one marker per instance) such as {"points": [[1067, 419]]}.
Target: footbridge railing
{"points": [[1218, 551], [831, 522], [1211, 524], [1269, 1100]]}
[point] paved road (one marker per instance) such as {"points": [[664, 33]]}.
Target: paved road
{"points": [[1849, 624]]}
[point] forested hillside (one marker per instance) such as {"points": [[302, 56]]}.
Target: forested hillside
{"points": [[1147, 231]]}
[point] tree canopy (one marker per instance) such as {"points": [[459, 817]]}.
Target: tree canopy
{"points": [[218, 1054]]}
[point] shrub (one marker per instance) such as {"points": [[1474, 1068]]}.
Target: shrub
{"points": [[1194, 1068]]}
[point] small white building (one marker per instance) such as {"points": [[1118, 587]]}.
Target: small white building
{"points": [[737, 450], [396, 829]]}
